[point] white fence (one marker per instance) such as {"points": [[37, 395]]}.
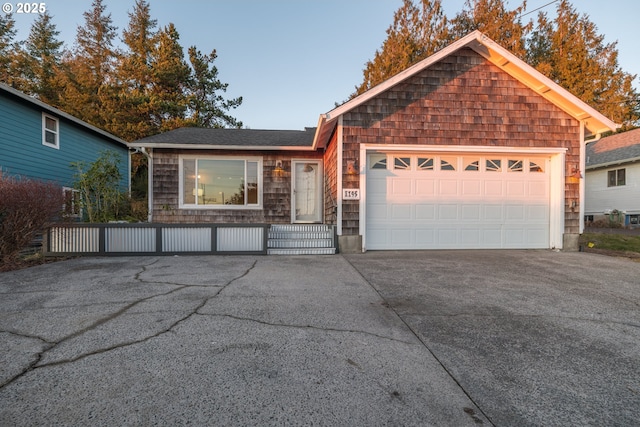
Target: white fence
{"points": [[158, 239]]}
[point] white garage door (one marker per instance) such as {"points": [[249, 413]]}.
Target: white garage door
{"points": [[457, 201]]}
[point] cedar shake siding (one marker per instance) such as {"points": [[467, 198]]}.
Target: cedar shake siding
{"points": [[461, 100], [331, 182], [276, 191]]}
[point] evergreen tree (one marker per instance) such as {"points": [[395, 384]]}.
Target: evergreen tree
{"points": [[37, 70], [89, 75], [131, 115], [493, 18], [416, 33], [208, 108], [570, 51], [171, 76], [7, 47]]}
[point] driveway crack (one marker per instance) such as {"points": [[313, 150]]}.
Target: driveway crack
{"points": [[38, 356], [318, 328]]}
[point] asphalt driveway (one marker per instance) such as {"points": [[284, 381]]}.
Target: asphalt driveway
{"points": [[383, 338]]}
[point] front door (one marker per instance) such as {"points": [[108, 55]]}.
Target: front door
{"points": [[306, 194]]}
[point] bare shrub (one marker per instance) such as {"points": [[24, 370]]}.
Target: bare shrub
{"points": [[27, 206]]}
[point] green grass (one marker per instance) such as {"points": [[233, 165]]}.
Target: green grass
{"points": [[614, 242]]}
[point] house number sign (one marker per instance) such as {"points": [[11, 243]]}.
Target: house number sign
{"points": [[350, 194]]}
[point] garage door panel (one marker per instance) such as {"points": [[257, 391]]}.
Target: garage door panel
{"points": [[479, 207], [516, 189], [447, 237], [401, 186], [425, 187], [539, 213], [539, 189], [401, 212], [448, 187], [425, 212], [493, 212], [425, 238], [447, 212], [471, 188], [471, 212], [515, 213]]}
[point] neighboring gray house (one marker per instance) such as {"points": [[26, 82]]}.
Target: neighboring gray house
{"points": [[612, 189]]}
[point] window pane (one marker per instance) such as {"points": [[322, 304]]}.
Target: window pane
{"points": [[612, 178], [534, 167], [221, 182], [402, 163], [49, 137], [494, 165], [189, 182], [448, 163], [50, 124], [621, 177], [471, 164], [425, 163], [252, 183], [378, 161], [515, 166]]}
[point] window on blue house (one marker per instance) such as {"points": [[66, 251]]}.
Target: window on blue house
{"points": [[50, 131], [72, 206]]}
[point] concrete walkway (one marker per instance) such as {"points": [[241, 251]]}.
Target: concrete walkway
{"points": [[373, 339]]}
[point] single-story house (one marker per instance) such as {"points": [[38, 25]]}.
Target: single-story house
{"points": [[469, 148], [613, 179], [39, 141]]}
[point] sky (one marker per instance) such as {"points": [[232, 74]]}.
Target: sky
{"points": [[292, 60]]}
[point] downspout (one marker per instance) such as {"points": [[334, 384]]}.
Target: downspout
{"points": [[583, 170], [583, 176], [149, 156], [339, 155]]}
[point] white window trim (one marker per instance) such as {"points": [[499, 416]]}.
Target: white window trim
{"points": [[182, 205], [65, 190], [45, 130]]}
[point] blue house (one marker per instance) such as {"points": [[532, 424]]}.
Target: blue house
{"points": [[39, 141]]}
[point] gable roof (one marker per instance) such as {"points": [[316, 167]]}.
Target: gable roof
{"points": [[224, 138], [615, 149], [23, 97], [595, 122]]}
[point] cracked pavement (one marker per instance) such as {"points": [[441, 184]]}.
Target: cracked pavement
{"points": [[383, 338]]}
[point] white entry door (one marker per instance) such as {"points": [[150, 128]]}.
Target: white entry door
{"points": [[306, 190]]}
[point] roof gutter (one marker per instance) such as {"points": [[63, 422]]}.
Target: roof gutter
{"points": [[613, 163], [222, 147]]}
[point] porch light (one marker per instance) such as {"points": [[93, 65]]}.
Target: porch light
{"points": [[279, 169]]}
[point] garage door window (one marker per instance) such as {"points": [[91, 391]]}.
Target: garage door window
{"points": [[425, 163], [534, 167], [402, 163], [493, 165], [378, 161], [448, 163], [515, 166], [472, 164]]}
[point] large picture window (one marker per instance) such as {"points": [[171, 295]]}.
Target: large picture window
{"points": [[222, 182]]}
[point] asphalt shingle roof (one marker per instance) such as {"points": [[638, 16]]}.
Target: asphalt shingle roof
{"points": [[233, 137], [615, 148]]}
